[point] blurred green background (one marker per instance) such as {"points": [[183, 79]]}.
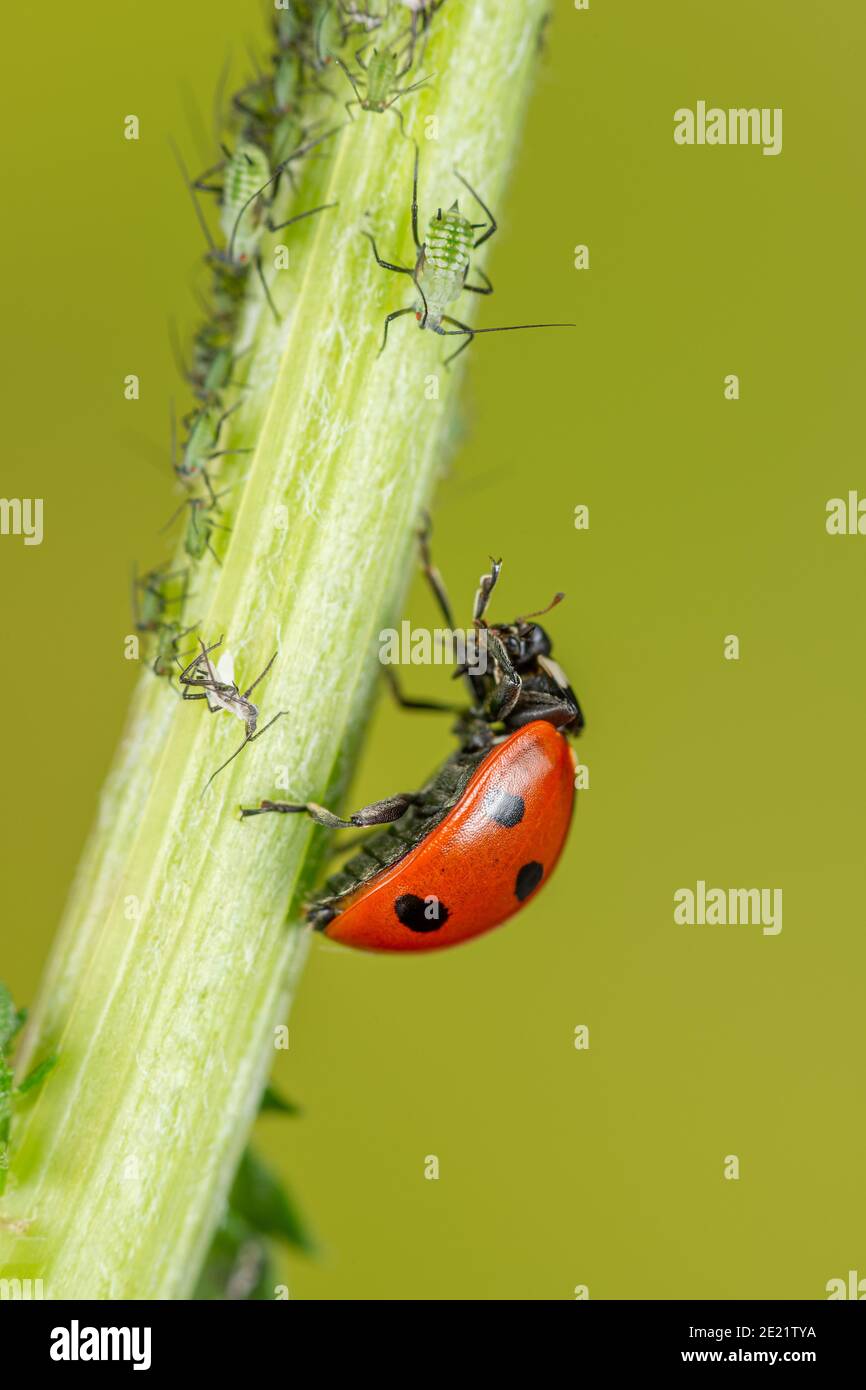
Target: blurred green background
{"points": [[558, 1167]]}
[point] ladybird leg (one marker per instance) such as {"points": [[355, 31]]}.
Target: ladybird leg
{"points": [[434, 578], [405, 703], [506, 691], [486, 584], [377, 813]]}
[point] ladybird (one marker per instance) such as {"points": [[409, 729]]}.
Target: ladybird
{"points": [[484, 834]]}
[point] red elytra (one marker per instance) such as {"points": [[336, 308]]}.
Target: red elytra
{"points": [[472, 871], [471, 847]]}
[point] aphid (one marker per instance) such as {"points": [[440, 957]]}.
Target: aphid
{"points": [[244, 209], [422, 16], [382, 76], [272, 105], [168, 638], [217, 685], [200, 525], [200, 445], [150, 599], [485, 832], [442, 266], [212, 362]]}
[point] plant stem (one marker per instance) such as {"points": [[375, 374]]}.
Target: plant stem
{"points": [[174, 962]]}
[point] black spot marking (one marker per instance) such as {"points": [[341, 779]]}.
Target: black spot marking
{"points": [[413, 912], [504, 808], [528, 879]]}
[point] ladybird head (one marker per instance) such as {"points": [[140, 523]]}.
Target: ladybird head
{"points": [[545, 691], [524, 642]]}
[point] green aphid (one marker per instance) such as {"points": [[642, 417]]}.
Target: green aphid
{"points": [[442, 267], [201, 445], [200, 525], [329, 32], [168, 639], [242, 213], [381, 76], [246, 198], [11, 1022], [199, 529]]}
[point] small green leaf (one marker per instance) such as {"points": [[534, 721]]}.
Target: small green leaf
{"points": [[273, 1101], [259, 1197], [39, 1073], [11, 1019]]}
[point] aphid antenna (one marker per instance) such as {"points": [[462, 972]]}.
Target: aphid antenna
{"points": [[471, 333], [219, 96], [176, 349], [191, 189], [194, 119]]}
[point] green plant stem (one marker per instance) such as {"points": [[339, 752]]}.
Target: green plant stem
{"points": [[174, 962]]}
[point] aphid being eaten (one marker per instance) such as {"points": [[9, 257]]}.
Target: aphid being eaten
{"points": [[477, 841], [442, 267], [202, 680], [381, 78], [168, 639]]}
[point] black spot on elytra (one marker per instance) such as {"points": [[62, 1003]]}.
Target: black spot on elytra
{"points": [[504, 808], [528, 879], [412, 912]]}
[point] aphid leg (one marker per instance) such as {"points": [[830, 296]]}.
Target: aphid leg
{"points": [[395, 111], [248, 693], [377, 813], [250, 738], [486, 288], [187, 678], [298, 217], [459, 328], [398, 313], [386, 265], [486, 235], [415, 200], [265, 287], [355, 88]]}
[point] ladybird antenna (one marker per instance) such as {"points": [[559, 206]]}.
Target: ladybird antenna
{"points": [[540, 612]]}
